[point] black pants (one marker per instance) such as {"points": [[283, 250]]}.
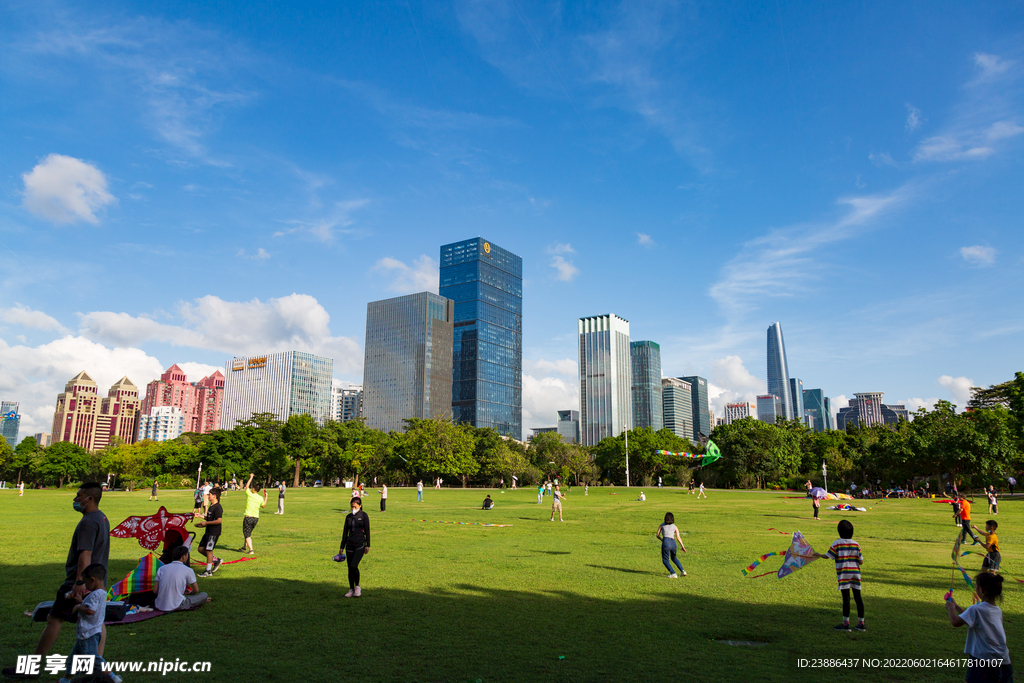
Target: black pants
{"points": [[383, 504], [846, 603], [966, 525], [353, 556], [816, 506]]}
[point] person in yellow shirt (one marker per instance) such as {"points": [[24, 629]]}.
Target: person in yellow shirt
{"points": [[991, 545], [253, 503]]}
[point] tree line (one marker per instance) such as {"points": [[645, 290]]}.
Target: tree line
{"points": [[978, 446]]}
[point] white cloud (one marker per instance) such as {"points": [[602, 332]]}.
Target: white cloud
{"points": [[197, 371], [26, 317], [979, 255], [422, 276], [644, 240], [543, 397], [63, 189], [35, 375], [296, 322], [839, 402], [260, 255], [991, 66], [959, 388], [731, 382], [566, 367], [915, 404], [913, 118], [882, 159], [325, 229], [566, 270], [560, 249]]}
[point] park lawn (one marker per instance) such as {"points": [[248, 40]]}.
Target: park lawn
{"points": [[583, 600]]}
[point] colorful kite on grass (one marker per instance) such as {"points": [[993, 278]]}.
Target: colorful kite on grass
{"points": [[799, 554], [140, 579], [151, 530]]}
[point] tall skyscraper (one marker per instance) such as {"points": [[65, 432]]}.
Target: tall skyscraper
{"points": [[407, 371], [816, 409], [769, 408], [486, 284], [778, 369], [796, 393], [645, 357], [738, 411], [701, 408], [677, 407], [830, 417], [569, 425], [10, 421], [200, 402], [285, 384], [606, 403], [82, 418]]}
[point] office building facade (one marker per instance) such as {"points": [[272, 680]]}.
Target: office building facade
{"points": [[200, 402], [778, 369], [486, 284], [677, 407], [569, 425], [867, 410], [346, 403], [737, 411], [645, 357], [83, 418], [407, 369], [606, 401], [769, 408], [796, 393], [285, 384], [816, 410], [162, 423], [10, 422], [701, 408], [42, 439]]}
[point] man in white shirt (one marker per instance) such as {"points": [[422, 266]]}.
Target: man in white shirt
{"points": [[171, 581], [280, 497]]}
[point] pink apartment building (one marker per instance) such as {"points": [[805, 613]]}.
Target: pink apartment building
{"points": [[200, 401]]}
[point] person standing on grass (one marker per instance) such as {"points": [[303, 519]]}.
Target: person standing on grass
{"points": [[540, 494], [956, 509], [846, 553], [90, 545], [556, 503], [21, 489], [993, 504], [986, 638], [991, 544], [419, 491], [91, 611], [280, 497], [965, 521], [355, 542], [816, 502], [383, 497], [668, 534], [702, 492], [212, 526], [152, 492], [253, 503], [1012, 482]]}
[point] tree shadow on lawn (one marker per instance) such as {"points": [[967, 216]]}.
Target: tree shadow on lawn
{"points": [[621, 630]]}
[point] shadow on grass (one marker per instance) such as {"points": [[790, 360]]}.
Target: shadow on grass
{"points": [[624, 570], [270, 629]]}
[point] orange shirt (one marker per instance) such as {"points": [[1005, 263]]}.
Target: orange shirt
{"points": [[965, 510]]}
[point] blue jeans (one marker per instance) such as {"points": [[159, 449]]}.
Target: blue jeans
{"points": [[668, 552], [419, 496], [87, 646]]}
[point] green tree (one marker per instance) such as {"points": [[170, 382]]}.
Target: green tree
{"points": [[63, 461], [754, 452], [299, 435], [441, 447], [24, 454]]}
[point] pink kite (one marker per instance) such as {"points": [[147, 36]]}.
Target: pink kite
{"points": [[151, 530]]}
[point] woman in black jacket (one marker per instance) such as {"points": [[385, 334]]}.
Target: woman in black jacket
{"points": [[355, 542]]}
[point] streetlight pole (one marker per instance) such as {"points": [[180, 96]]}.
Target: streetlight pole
{"points": [[824, 471], [627, 458]]}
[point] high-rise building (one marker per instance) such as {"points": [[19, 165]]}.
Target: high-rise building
{"points": [[10, 421], [677, 407], [867, 410], [796, 394], [830, 417], [42, 439], [200, 402], [569, 425], [82, 418], [163, 423], [738, 411], [486, 284], [645, 357], [778, 369], [285, 384], [606, 402], [701, 408], [407, 371], [769, 408], [351, 403], [816, 410]]}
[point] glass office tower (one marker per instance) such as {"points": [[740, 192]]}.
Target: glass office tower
{"points": [[486, 284], [10, 421], [677, 407], [646, 360], [796, 392], [606, 401], [701, 408], [285, 384], [778, 370], [407, 367], [816, 408]]}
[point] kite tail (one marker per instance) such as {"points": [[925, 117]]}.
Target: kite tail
{"points": [[759, 561]]}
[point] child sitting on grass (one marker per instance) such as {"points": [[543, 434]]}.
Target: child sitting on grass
{"points": [[91, 611], [986, 639], [991, 546], [846, 553]]}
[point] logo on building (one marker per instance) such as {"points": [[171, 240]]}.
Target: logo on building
{"points": [[237, 365], [487, 247], [260, 362]]}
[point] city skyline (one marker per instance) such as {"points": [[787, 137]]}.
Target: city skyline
{"points": [[142, 141]]}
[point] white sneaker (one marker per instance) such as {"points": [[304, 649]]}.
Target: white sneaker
{"points": [[359, 591], [683, 573], [673, 576], [350, 593], [115, 678]]}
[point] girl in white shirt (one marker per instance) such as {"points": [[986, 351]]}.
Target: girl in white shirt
{"points": [[668, 533], [986, 639]]}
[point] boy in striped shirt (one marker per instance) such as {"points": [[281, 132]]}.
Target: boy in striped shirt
{"points": [[846, 553]]}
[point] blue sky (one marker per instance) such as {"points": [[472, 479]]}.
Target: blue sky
{"points": [[185, 182]]}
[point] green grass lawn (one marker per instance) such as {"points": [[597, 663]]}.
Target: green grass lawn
{"points": [[583, 600]]}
